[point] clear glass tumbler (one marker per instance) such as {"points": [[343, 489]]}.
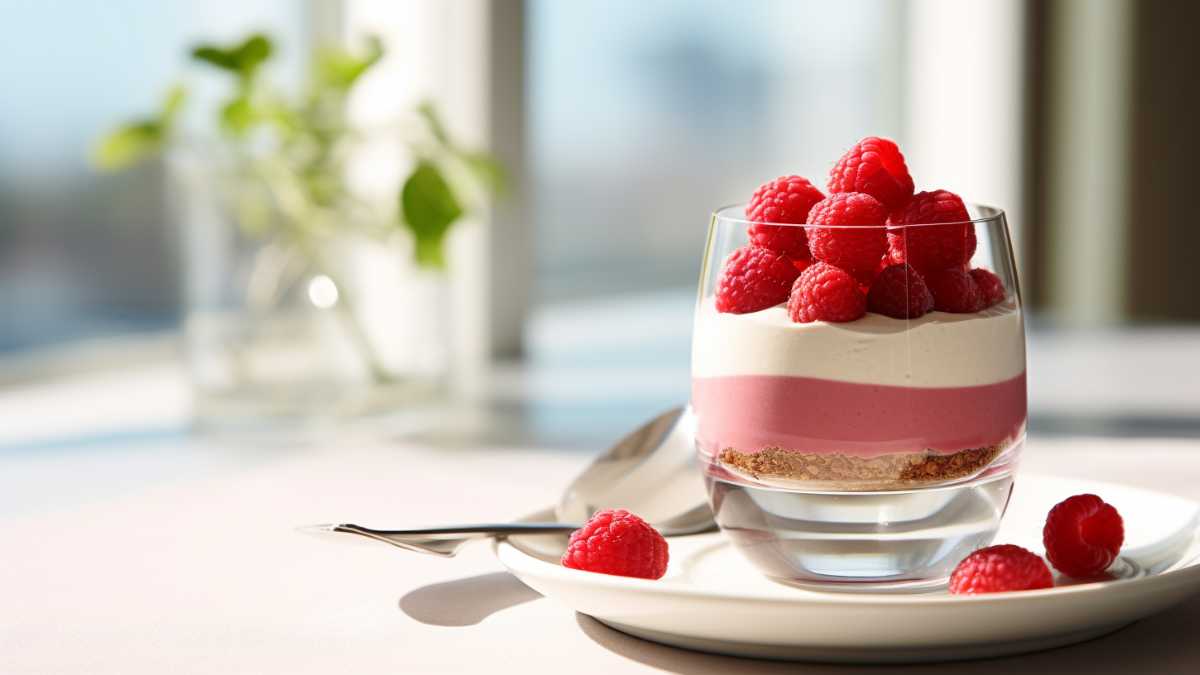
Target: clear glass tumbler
{"points": [[875, 452]]}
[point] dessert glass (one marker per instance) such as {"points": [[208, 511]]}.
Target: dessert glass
{"points": [[877, 452]]}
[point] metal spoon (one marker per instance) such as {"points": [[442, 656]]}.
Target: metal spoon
{"points": [[650, 472]]}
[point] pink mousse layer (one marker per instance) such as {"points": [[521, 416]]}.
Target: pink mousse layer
{"points": [[752, 412]]}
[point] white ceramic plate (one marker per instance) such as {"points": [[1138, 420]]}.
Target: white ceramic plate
{"points": [[713, 600]]}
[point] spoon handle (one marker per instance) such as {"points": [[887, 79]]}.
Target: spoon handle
{"points": [[445, 541]]}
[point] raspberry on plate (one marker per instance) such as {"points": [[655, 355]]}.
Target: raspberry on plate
{"points": [[1083, 535], [954, 290], [874, 166], [754, 278], [620, 543], [991, 289], [858, 244], [912, 239], [786, 199], [899, 292], [826, 293], [996, 569]]}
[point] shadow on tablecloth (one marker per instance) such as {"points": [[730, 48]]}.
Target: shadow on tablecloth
{"points": [[466, 601]]}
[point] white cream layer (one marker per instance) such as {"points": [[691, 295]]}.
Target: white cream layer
{"points": [[936, 350]]}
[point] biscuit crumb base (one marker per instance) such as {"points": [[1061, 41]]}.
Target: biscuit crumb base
{"points": [[836, 471]]}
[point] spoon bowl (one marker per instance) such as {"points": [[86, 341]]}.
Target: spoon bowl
{"points": [[652, 472]]}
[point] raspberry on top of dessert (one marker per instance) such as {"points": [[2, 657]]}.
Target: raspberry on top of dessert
{"points": [[786, 199], [874, 166], [870, 222]]}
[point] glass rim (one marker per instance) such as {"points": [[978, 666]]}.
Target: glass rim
{"points": [[991, 214]]}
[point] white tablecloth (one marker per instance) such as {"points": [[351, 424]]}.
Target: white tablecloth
{"points": [[159, 555]]}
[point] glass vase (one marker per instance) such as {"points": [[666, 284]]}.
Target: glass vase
{"points": [[286, 329]]}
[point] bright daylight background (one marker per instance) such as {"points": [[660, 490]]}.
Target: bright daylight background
{"points": [[622, 125]]}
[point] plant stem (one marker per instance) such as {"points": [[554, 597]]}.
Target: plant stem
{"points": [[346, 310], [300, 215]]}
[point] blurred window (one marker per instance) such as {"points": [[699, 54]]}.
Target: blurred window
{"points": [[83, 254], [646, 116], [642, 118]]}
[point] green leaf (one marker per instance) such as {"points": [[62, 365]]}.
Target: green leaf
{"points": [[242, 59], [429, 113], [429, 207], [215, 56], [486, 170], [172, 104], [127, 145], [238, 115], [340, 68], [135, 141], [255, 51]]}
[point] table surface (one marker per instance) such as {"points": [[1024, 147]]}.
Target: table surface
{"points": [[131, 546], [182, 555]]}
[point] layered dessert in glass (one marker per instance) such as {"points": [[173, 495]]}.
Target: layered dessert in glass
{"points": [[875, 404], [858, 374]]}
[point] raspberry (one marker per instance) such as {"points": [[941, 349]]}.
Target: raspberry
{"points": [[899, 292], [996, 569], [876, 167], [954, 291], [1083, 535], [786, 199], [754, 278], [991, 289], [826, 293], [931, 247], [617, 542], [854, 249]]}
